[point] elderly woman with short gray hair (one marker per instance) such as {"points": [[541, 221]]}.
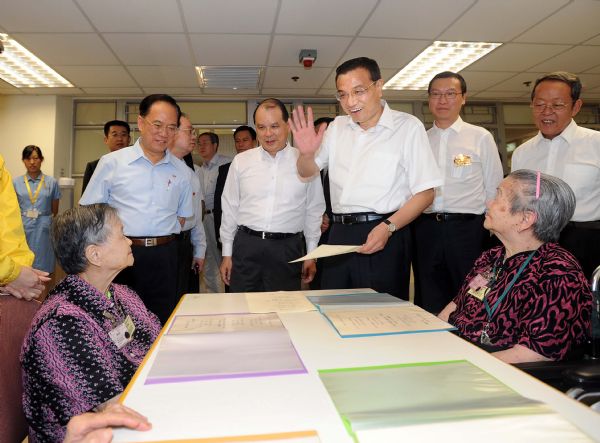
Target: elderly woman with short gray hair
{"points": [[527, 300], [90, 335]]}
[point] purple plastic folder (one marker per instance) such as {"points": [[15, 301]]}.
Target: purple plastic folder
{"points": [[208, 347]]}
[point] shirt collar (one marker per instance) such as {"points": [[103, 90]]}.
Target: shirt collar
{"points": [[567, 134], [137, 152], [281, 153], [31, 179], [456, 126], [386, 119]]}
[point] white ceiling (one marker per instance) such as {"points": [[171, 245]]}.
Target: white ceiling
{"points": [[136, 47]]}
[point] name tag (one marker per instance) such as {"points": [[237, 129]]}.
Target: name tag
{"points": [[122, 333], [478, 287], [32, 213], [462, 160]]}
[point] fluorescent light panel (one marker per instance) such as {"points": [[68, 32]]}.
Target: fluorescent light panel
{"points": [[22, 69], [440, 56], [229, 77]]}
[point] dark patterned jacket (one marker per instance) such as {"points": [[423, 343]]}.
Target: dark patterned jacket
{"points": [[70, 364]]}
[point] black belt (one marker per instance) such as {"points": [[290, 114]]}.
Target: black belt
{"points": [[267, 235], [450, 216], [185, 235], [358, 217], [151, 241], [594, 224]]}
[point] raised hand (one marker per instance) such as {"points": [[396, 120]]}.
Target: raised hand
{"points": [[306, 139]]}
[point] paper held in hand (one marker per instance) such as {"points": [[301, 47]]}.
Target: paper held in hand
{"points": [[328, 251]]}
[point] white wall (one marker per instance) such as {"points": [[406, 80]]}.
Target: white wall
{"points": [[45, 121]]}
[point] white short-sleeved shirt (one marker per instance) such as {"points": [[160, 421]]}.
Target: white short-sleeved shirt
{"points": [[470, 165], [573, 156], [378, 169]]}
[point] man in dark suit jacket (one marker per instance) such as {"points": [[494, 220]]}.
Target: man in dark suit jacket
{"points": [[116, 136], [245, 138]]}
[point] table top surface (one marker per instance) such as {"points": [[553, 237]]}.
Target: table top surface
{"points": [[294, 403]]}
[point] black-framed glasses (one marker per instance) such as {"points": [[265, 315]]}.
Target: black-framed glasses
{"points": [[448, 95]]}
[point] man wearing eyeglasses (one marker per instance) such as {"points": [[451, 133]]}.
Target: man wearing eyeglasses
{"points": [[152, 191], [191, 241], [570, 152], [449, 235], [381, 173]]}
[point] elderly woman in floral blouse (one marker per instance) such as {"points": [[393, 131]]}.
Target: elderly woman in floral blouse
{"points": [[527, 300], [90, 335]]}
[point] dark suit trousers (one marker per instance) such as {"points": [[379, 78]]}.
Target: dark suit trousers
{"points": [[385, 271], [584, 243], [443, 254], [262, 265], [154, 277]]}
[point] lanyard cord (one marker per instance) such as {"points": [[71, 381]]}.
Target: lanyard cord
{"points": [[33, 198], [492, 310]]}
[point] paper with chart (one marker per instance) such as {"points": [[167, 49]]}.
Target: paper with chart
{"points": [[328, 251], [384, 321], [205, 347]]}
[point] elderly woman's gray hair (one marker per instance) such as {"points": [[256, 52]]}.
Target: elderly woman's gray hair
{"points": [[554, 207], [76, 229]]}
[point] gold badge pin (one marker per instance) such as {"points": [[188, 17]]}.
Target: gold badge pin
{"points": [[462, 160]]}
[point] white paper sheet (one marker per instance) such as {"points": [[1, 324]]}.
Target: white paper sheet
{"points": [[296, 301], [382, 321], [208, 324], [328, 251]]}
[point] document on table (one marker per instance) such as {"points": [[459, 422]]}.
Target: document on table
{"points": [[224, 346], [375, 400], [384, 321], [328, 251], [291, 301], [204, 324]]}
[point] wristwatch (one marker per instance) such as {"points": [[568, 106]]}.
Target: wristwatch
{"points": [[391, 226]]}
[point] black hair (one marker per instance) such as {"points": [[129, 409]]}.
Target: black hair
{"points": [[565, 77], [449, 74], [148, 101], [30, 149], [119, 123], [361, 62], [273, 103], [245, 128]]}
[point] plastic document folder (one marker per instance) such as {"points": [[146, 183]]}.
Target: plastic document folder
{"points": [[203, 347], [355, 301], [389, 403], [372, 321]]}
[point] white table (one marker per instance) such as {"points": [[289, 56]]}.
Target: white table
{"points": [[288, 403]]}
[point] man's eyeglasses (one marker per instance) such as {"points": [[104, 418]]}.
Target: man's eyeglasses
{"points": [[553, 107], [356, 92], [158, 126], [448, 95], [190, 131]]}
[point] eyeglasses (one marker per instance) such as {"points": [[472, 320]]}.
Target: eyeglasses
{"points": [[553, 107], [190, 131], [356, 92], [448, 95], [158, 126]]}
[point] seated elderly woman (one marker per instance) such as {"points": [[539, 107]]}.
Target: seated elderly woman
{"points": [[527, 300], [90, 335]]}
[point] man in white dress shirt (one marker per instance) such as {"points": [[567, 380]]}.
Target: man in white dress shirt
{"points": [[381, 174], [208, 143], [570, 152], [269, 211], [449, 235]]}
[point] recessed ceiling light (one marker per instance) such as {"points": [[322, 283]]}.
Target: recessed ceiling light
{"points": [[22, 69], [440, 56]]}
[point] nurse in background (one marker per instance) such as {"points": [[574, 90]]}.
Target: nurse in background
{"points": [[38, 196]]}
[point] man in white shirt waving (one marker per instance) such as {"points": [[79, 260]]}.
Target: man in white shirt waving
{"points": [[381, 174], [269, 212], [570, 152]]}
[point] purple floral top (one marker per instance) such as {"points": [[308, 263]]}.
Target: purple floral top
{"points": [[547, 310], [70, 364]]}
